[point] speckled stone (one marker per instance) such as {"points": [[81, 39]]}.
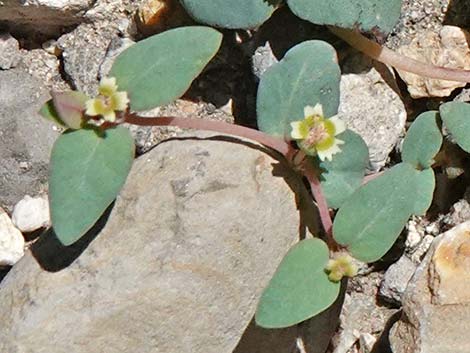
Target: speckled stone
{"points": [[436, 304]]}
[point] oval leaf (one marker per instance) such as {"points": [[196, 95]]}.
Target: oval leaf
{"points": [[87, 172], [371, 220], [245, 14], [379, 16], [299, 289], [455, 116], [160, 69], [423, 141], [345, 172], [307, 75], [425, 185]]}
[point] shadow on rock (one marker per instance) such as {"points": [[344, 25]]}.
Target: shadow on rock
{"points": [[4, 271], [458, 13], [53, 256], [313, 335], [383, 343]]}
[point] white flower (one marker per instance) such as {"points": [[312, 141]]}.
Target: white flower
{"points": [[315, 135], [108, 101]]}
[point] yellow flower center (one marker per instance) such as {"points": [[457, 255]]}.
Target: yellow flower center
{"points": [[321, 133]]}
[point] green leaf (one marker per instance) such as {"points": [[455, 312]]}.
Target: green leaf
{"points": [[425, 185], [70, 107], [48, 112], [371, 220], [423, 141], [378, 16], [456, 118], [345, 173], [245, 14], [159, 69], [299, 289], [307, 75], [87, 172]]}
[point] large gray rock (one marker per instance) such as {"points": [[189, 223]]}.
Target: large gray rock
{"points": [[191, 242], [25, 138], [436, 304]]}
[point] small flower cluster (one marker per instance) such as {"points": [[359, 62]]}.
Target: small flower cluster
{"points": [[108, 101], [315, 134], [342, 265]]}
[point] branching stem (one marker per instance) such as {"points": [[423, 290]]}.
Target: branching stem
{"points": [[276, 144], [398, 61]]}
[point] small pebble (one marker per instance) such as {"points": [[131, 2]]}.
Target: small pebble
{"points": [[414, 236], [31, 214], [396, 279], [9, 51], [11, 241]]}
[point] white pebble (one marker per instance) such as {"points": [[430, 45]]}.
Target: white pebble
{"points": [[11, 241], [414, 237], [31, 214]]}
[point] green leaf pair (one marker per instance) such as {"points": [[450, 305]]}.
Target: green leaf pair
{"points": [[89, 165], [369, 222], [366, 15]]}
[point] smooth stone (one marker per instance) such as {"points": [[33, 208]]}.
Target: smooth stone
{"points": [[192, 240]]}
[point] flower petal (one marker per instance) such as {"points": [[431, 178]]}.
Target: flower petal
{"points": [[119, 101], [94, 107], [328, 153], [339, 142], [339, 124], [308, 111], [107, 86], [297, 132], [317, 110], [110, 116]]}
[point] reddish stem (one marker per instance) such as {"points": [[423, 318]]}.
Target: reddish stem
{"points": [[398, 61], [322, 205], [275, 143], [218, 126]]}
